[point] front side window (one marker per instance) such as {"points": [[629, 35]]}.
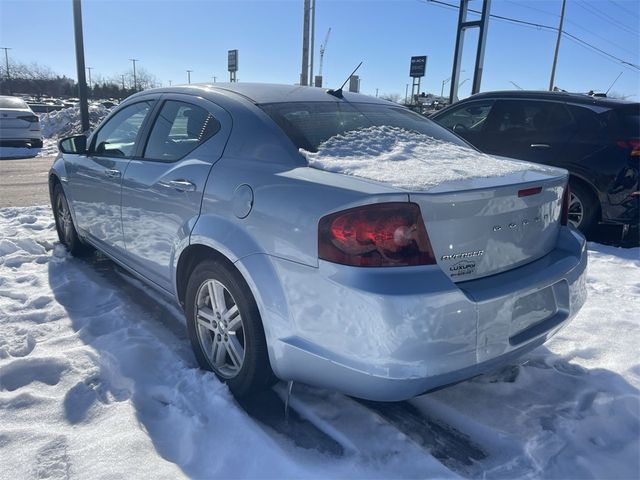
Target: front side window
{"points": [[179, 128], [467, 118], [308, 124], [117, 137]]}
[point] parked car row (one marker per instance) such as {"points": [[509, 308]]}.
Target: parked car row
{"points": [[596, 139], [352, 283]]}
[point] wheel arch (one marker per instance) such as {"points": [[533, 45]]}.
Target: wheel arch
{"points": [[259, 274], [590, 188]]}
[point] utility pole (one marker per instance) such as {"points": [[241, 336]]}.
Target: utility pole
{"points": [[214, 79], [304, 74], [376, 93], [313, 36], [169, 82], [123, 87], [555, 55], [189, 76], [82, 81], [6, 60], [135, 78]]}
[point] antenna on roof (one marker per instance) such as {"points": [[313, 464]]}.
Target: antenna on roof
{"points": [[614, 82], [338, 93]]}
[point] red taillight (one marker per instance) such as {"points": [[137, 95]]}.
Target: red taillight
{"points": [[529, 191], [29, 118], [378, 235], [632, 145], [566, 199]]}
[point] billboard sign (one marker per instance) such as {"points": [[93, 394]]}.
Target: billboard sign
{"points": [[418, 66], [232, 62]]}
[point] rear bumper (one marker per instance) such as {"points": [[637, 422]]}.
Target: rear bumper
{"points": [[390, 334], [19, 136]]}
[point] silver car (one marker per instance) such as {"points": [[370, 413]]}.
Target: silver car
{"points": [[290, 272], [19, 126]]}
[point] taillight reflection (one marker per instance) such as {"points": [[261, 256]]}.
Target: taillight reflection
{"points": [[378, 235], [566, 200]]}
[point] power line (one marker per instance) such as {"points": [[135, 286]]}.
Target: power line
{"points": [[605, 17], [624, 9], [541, 26], [575, 24]]}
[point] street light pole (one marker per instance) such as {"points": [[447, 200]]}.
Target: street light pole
{"points": [[82, 81], [6, 59], [135, 79], [189, 76]]}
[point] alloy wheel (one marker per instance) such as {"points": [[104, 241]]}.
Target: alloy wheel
{"points": [[576, 211], [63, 218], [219, 328]]}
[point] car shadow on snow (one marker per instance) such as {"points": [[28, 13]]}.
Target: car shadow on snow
{"points": [[143, 356], [534, 418]]}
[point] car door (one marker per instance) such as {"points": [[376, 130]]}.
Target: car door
{"points": [[162, 189], [532, 130], [95, 178]]}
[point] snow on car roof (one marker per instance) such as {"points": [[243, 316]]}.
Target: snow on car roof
{"points": [[407, 159]]}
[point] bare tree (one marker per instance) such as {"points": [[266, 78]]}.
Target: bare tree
{"points": [[392, 97]]}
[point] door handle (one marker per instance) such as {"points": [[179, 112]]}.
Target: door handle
{"points": [[112, 173], [180, 185], [540, 145]]}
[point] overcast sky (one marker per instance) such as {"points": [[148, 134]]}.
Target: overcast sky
{"points": [[170, 36]]}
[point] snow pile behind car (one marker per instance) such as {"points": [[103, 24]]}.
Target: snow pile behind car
{"points": [[66, 122], [407, 159]]}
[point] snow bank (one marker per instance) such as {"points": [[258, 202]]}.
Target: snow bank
{"points": [[65, 122], [406, 159]]}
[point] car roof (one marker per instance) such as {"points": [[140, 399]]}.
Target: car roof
{"points": [[558, 96], [261, 93]]}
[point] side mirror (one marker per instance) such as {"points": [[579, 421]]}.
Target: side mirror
{"points": [[76, 144], [459, 128]]}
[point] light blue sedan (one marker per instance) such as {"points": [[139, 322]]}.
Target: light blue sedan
{"points": [[290, 271]]}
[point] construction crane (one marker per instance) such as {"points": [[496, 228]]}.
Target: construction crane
{"points": [[323, 47]]}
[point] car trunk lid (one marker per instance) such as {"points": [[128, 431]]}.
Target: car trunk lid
{"points": [[484, 226]]}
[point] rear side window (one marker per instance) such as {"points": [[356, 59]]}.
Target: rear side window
{"points": [[308, 124], [117, 137], [629, 119], [179, 128], [470, 117], [517, 117], [590, 122]]}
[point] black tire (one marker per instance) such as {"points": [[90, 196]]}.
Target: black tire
{"points": [[255, 373], [67, 233], [590, 207], [36, 143]]}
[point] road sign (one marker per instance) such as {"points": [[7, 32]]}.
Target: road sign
{"points": [[232, 60], [418, 66]]}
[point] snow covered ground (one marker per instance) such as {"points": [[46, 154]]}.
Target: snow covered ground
{"points": [[97, 380]]}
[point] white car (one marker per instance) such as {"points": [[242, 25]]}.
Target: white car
{"points": [[19, 126]]}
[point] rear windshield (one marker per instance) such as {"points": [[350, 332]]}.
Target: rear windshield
{"points": [[12, 102], [308, 124]]}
